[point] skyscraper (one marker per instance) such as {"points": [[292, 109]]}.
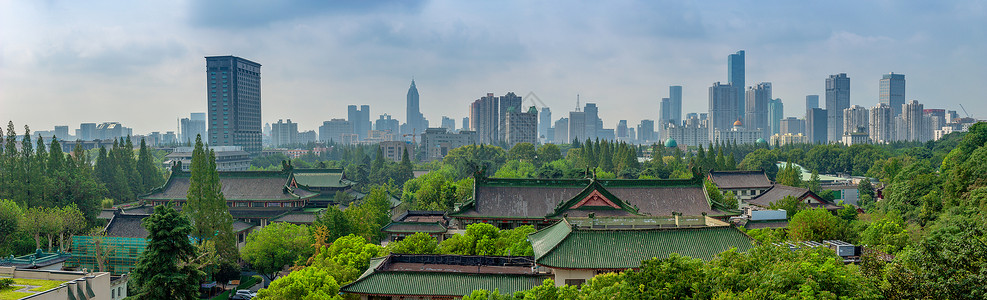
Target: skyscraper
{"points": [[592, 121], [646, 131], [521, 126], [193, 126], [233, 89], [664, 112], [914, 121], [336, 130], [776, 112], [385, 123], [815, 125], [855, 120], [675, 106], [284, 133], [622, 129], [723, 107], [792, 125], [449, 124], [506, 103], [484, 119], [735, 76], [561, 129], [892, 91], [811, 101], [360, 118], [577, 126], [756, 109], [882, 125], [837, 99], [544, 123], [414, 117]]}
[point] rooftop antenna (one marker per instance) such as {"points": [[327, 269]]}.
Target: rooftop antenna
{"points": [[577, 102]]}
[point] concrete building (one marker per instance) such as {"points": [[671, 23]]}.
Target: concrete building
{"points": [[448, 123], [521, 127], [913, 119], [935, 120], [664, 112], [386, 124], [485, 118], [736, 78], [892, 91], [360, 118], [193, 126], [233, 89], [622, 129], [284, 133], [856, 120], [438, 142], [776, 112], [724, 109], [811, 101], [789, 139], [593, 123], [837, 99], [335, 130], [86, 132], [738, 134], [111, 130], [306, 137], [692, 132], [577, 126], [792, 125], [646, 131], [66, 284], [675, 104], [756, 108], [855, 138], [816, 126], [882, 121], [506, 102], [545, 124], [394, 150], [561, 129], [62, 133], [228, 158]]}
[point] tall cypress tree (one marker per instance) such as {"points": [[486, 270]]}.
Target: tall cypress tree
{"points": [[150, 176], [164, 270], [205, 204]]}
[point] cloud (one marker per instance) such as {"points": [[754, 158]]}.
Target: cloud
{"points": [[244, 14]]}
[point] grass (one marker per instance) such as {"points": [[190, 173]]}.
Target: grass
{"points": [[10, 294]]}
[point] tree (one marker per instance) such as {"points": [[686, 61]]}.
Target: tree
{"points": [[275, 246], [418, 243], [206, 205], [347, 257], [548, 153], [730, 200], [164, 270], [886, 233], [814, 184], [522, 152], [37, 222], [150, 175], [485, 239], [790, 175], [761, 159], [10, 219], [307, 283], [713, 192], [815, 225], [865, 188]]}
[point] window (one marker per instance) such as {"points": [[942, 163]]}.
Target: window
{"points": [[575, 282]]}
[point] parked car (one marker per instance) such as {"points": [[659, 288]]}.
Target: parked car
{"points": [[243, 295]]}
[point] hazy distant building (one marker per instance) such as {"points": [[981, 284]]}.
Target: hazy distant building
{"points": [[466, 123], [193, 126], [561, 129], [438, 142], [577, 126], [386, 124], [892, 91], [485, 119], [112, 130], [62, 133], [448, 123], [394, 150], [816, 126], [837, 99], [622, 129], [336, 130], [284, 133], [508, 101], [724, 109], [545, 124], [776, 112], [360, 118], [788, 139], [736, 78], [914, 121], [675, 104], [86, 132], [811, 101], [306, 137], [646, 131], [935, 120], [228, 158], [856, 119], [521, 127], [414, 118], [692, 132], [881, 124], [234, 106], [792, 126], [592, 122], [756, 108]]}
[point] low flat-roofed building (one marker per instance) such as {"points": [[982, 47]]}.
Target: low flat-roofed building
{"points": [[777, 192], [228, 158], [426, 276], [60, 285]]}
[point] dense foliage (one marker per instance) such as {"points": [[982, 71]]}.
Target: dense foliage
{"points": [[166, 269]]}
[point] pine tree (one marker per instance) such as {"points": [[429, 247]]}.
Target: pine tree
{"points": [[205, 204], [150, 175], [164, 270]]}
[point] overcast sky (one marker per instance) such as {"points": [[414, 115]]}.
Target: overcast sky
{"points": [[141, 63]]}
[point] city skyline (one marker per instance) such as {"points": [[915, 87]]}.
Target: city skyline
{"points": [[94, 60]]}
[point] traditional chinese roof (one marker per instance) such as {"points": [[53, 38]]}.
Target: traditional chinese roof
{"points": [[779, 192], [237, 186], [564, 246], [240, 226], [553, 198], [320, 178], [126, 225], [297, 217], [445, 275], [413, 227], [740, 179]]}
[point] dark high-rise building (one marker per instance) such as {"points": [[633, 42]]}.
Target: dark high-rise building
{"points": [[385, 123], [622, 129], [723, 107], [360, 118], [735, 76], [466, 123], [675, 105], [521, 126], [815, 125], [485, 120], [837, 100], [756, 109], [414, 117], [86, 132], [592, 121], [776, 112], [233, 89], [811, 101], [646, 131], [892, 91], [561, 129], [508, 101]]}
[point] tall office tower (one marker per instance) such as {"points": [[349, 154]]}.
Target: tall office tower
{"points": [[561, 129], [86, 132], [234, 103], [892, 91], [646, 131], [756, 109], [544, 124], [521, 126], [577, 126], [815, 125], [936, 119], [723, 107], [882, 126], [192, 127], [811, 101], [622, 129], [485, 119], [792, 125], [385, 123], [466, 123], [837, 99], [284, 133], [776, 112], [631, 134], [506, 103], [414, 117], [360, 118], [592, 121], [664, 112], [449, 124], [675, 95], [735, 77], [856, 120], [336, 130], [911, 115]]}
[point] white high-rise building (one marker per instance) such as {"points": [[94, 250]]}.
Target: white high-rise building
{"points": [[855, 120], [723, 107], [882, 123], [914, 121], [756, 110]]}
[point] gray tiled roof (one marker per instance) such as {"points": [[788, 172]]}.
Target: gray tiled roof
{"points": [[740, 179], [126, 225], [236, 186]]}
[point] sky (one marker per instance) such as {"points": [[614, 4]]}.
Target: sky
{"points": [[142, 63]]}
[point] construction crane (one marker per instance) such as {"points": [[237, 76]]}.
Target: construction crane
{"points": [[964, 111], [414, 135]]}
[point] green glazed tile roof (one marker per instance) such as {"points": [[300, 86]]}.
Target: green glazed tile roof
{"points": [[560, 246], [439, 284], [413, 227], [329, 178]]}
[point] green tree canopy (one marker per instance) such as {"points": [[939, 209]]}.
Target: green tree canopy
{"points": [[272, 248], [307, 283], [164, 270]]}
